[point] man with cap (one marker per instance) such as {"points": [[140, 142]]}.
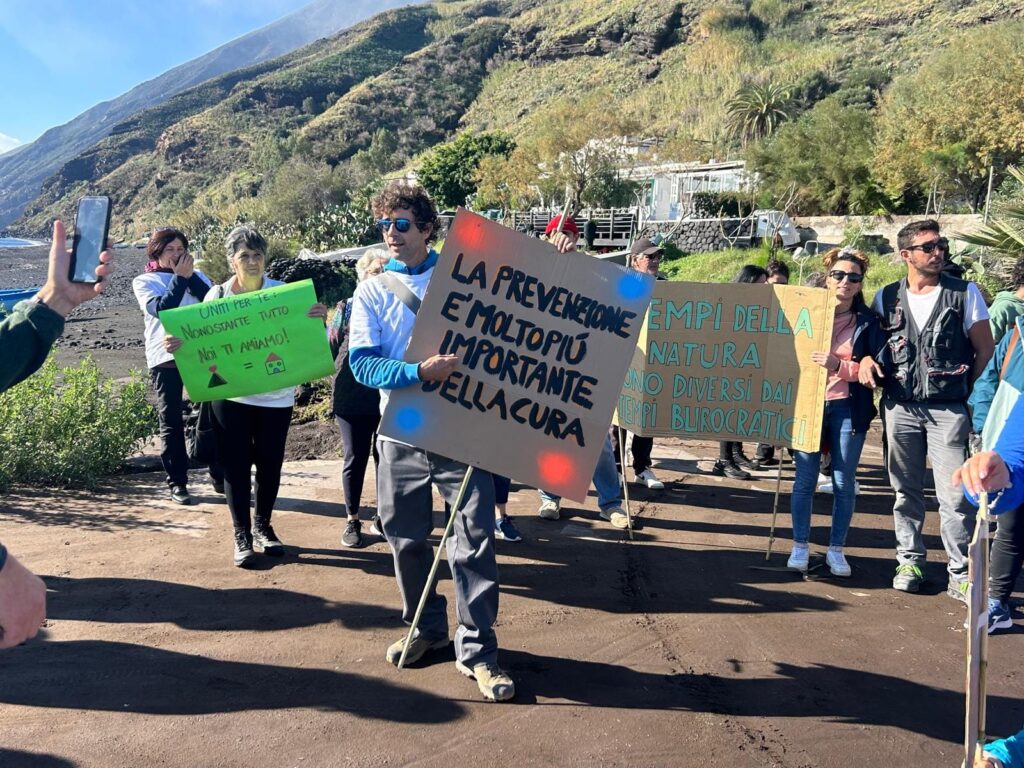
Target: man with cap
{"points": [[644, 256]]}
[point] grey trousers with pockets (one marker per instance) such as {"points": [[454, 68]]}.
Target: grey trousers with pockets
{"points": [[937, 432], [405, 505]]}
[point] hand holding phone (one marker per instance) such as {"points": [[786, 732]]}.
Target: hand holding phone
{"points": [[58, 292], [92, 226]]}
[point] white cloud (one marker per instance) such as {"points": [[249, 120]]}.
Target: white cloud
{"points": [[7, 143]]}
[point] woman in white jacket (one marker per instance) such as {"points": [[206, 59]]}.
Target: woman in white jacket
{"points": [[170, 280]]}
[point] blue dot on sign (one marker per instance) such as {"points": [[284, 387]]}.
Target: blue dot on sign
{"points": [[632, 286], [409, 419]]}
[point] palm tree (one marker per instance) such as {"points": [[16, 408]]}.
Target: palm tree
{"points": [[756, 110], [1005, 233]]}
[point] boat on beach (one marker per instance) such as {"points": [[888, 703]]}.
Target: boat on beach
{"points": [[11, 296]]}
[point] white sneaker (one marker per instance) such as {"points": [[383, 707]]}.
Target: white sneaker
{"points": [[648, 478], [827, 487], [616, 517], [549, 510], [799, 557], [836, 561]]}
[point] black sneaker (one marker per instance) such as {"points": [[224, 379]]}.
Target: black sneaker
{"points": [[263, 537], [218, 485], [353, 535], [179, 495], [728, 469], [740, 460], [376, 526], [244, 556]]}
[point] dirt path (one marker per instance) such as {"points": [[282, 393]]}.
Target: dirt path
{"points": [[667, 651]]}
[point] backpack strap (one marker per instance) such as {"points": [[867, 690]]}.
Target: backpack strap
{"points": [[401, 290], [1014, 338]]}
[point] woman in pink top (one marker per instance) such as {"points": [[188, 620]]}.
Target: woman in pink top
{"points": [[849, 409]]}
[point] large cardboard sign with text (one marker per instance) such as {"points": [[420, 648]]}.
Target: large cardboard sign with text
{"points": [[250, 343], [543, 340], [730, 361]]}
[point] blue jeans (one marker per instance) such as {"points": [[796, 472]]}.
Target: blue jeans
{"points": [[845, 446], [606, 480]]}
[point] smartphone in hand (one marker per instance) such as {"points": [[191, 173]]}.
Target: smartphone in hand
{"points": [[92, 225]]}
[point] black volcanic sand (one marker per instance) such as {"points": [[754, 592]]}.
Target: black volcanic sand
{"points": [[108, 327]]}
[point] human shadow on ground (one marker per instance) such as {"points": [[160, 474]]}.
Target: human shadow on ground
{"points": [[818, 691], [128, 506], [15, 758], [259, 609], [94, 675], [593, 567]]}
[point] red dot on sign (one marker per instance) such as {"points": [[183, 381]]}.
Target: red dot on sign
{"points": [[472, 235], [556, 468]]}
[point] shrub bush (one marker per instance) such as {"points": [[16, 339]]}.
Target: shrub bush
{"points": [[68, 427], [332, 280]]}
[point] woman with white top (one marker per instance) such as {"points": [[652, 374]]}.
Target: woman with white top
{"points": [[170, 280], [252, 429]]}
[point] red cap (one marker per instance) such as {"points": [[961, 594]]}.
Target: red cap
{"points": [[570, 225]]}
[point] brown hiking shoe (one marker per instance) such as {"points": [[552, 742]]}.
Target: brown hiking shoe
{"points": [[491, 679]]}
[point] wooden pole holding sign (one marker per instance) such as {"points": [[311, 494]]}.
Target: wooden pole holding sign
{"points": [[433, 568], [775, 504], [977, 636], [625, 483]]}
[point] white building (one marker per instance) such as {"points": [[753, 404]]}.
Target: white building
{"points": [[670, 186]]}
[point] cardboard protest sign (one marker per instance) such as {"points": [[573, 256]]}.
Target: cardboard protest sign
{"points": [[250, 343], [543, 341], [730, 361]]}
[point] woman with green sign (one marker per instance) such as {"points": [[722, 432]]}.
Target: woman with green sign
{"points": [[252, 429]]}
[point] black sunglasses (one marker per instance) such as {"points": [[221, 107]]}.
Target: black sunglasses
{"points": [[838, 275], [932, 245], [402, 225]]}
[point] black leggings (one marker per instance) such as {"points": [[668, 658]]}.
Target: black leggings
{"points": [[168, 387], [639, 447], [1007, 555], [726, 449], [357, 443], [247, 435]]}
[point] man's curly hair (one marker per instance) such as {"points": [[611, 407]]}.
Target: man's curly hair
{"points": [[402, 194]]}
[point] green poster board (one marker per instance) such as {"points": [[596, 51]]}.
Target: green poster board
{"points": [[250, 343]]}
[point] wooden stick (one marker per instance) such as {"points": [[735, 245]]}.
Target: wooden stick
{"points": [[565, 212], [775, 505], [625, 483], [433, 569], [977, 635]]}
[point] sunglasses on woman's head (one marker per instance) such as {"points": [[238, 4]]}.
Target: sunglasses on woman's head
{"points": [[839, 275], [402, 225]]}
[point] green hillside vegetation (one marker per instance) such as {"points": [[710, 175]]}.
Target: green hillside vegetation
{"points": [[723, 266], [852, 107]]}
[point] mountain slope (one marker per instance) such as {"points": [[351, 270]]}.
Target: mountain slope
{"points": [[23, 170], [668, 67]]}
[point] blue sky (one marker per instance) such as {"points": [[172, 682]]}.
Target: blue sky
{"points": [[60, 57]]}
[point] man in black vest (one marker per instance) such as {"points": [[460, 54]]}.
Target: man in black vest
{"points": [[938, 342]]}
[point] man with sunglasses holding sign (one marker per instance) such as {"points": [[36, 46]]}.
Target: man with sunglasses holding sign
{"points": [[383, 316], [938, 342]]}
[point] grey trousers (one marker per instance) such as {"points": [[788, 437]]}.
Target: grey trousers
{"points": [[938, 432], [405, 505]]}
